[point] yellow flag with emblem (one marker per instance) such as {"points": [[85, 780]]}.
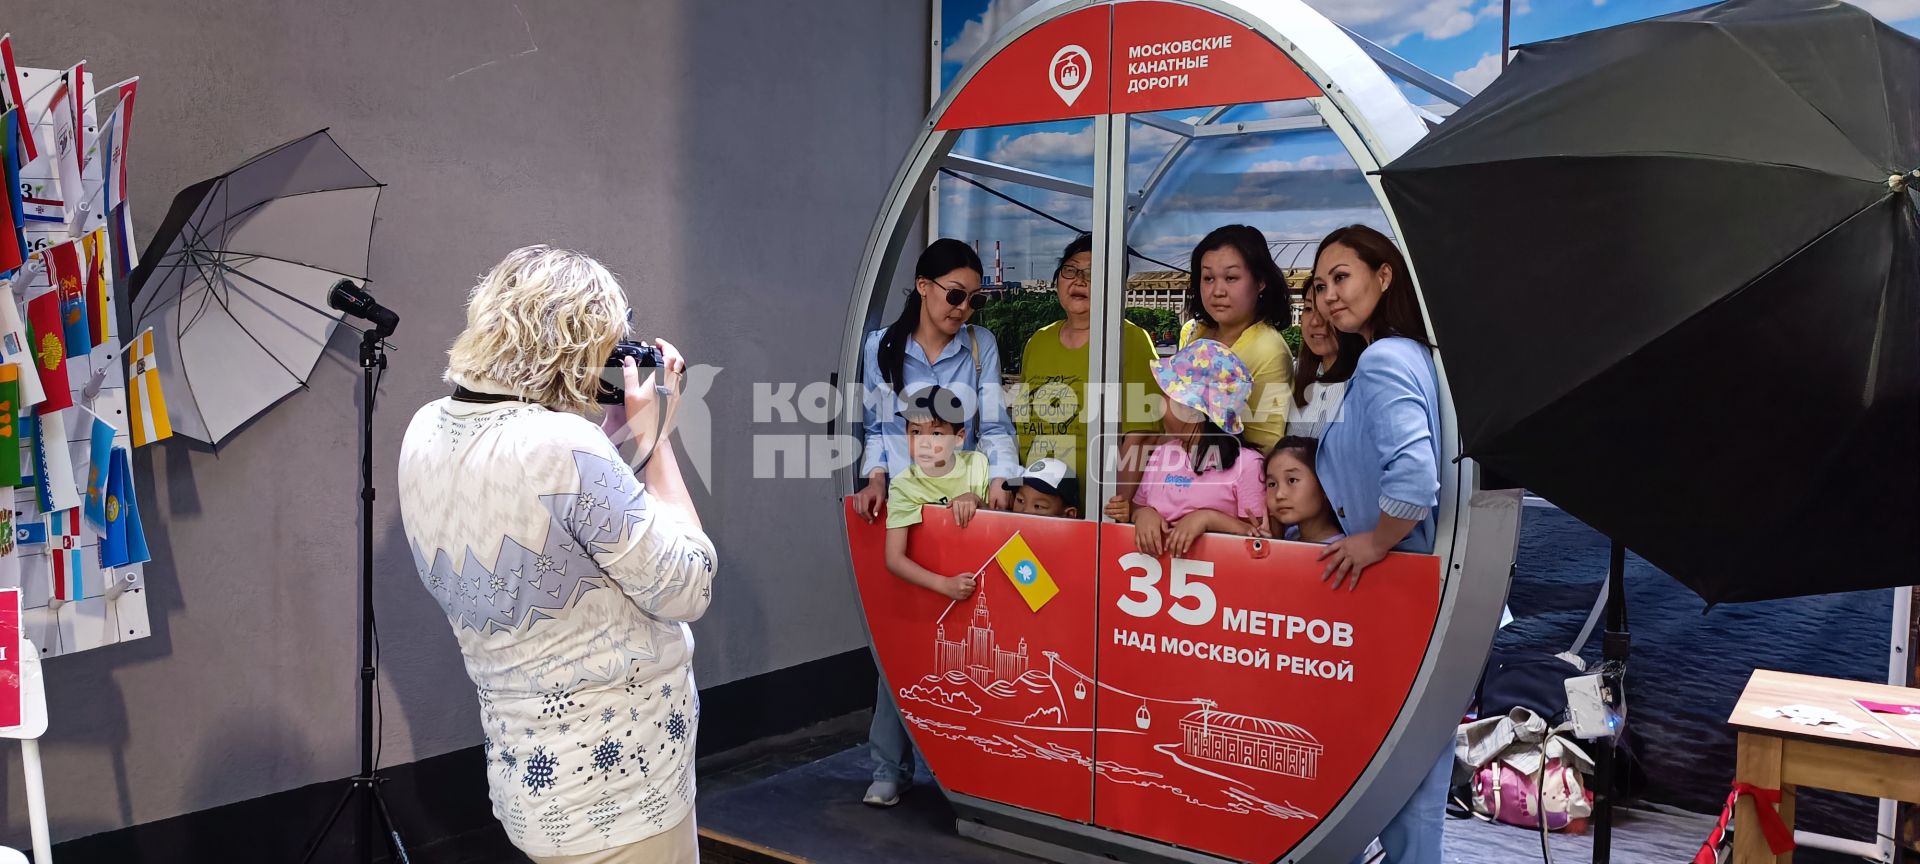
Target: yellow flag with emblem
{"points": [[146, 404], [1029, 576]]}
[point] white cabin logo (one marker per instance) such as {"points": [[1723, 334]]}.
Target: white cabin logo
{"points": [[1069, 72]]}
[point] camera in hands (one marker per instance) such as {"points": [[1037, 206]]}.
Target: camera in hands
{"points": [[613, 379]]}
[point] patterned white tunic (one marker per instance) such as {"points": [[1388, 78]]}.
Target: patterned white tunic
{"points": [[567, 589]]}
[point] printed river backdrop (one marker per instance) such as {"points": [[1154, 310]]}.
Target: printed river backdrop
{"points": [[1689, 664]]}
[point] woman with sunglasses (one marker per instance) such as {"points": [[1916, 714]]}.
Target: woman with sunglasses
{"points": [[931, 344]]}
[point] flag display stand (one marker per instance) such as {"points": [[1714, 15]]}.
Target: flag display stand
{"points": [[71, 599]]}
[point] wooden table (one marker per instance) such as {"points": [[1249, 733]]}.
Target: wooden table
{"points": [[1777, 753]]}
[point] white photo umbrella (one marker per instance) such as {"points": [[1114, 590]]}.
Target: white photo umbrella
{"points": [[234, 284]]}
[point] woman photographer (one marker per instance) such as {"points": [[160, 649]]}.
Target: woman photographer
{"points": [[522, 515]]}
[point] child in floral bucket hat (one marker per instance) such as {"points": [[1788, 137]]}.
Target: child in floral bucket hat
{"points": [[1203, 476]]}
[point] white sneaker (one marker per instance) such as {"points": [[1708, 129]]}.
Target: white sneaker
{"points": [[883, 793]]}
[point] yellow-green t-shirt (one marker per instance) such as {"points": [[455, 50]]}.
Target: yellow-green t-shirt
{"points": [[911, 489], [1048, 415], [1265, 352]]}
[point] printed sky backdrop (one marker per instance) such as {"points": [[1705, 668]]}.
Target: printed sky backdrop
{"points": [[1292, 187]]}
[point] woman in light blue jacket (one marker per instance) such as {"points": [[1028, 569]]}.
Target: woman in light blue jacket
{"points": [[931, 344], [1379, 462]]}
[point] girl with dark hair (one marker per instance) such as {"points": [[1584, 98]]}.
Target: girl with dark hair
{"points": [[1379, 461], [1237, 296], [931, 344], [1296, 505], [1202, 478], [1326, 360]]}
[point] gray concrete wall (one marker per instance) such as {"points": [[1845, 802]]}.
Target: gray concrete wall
{"points": [[724, 157]]}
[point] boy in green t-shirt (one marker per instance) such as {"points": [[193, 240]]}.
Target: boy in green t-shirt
{"points": [[942, 474]]}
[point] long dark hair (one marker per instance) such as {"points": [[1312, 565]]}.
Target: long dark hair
{"points": [[1272, 306], [1398, 312], [1213, 438], [1306, 364], [941, 257]]}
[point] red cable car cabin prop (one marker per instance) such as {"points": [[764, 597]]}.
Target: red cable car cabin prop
{"points": [[1221, 705]]}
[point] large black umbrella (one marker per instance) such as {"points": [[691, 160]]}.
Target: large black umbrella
{"points": [[1672, 268]]}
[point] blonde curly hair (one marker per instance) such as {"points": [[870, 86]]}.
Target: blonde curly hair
{"points": [[541, 323]]}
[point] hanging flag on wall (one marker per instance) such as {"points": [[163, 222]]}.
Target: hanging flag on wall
{"points": [[98, 307], [99, 461], [44, 332], [114, 135], [146, 404], [68, 275], [17, 349], [30, 533], [13, 246], [63, 546], [28, 146], [27, 426], [75, 333], [9, 430], [53, 464], [125, 541], [82, 97], [113, 143], [10, 155], [120, 235], [66, 153], [9, 562]]}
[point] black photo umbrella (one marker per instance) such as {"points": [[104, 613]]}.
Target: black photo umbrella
{"points": [[1673, 268]]}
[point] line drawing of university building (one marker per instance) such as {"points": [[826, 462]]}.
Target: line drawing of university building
{"points": [[977, 655]]}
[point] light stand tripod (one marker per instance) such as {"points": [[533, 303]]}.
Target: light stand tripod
{"points": [[1614, 647], [366, 785]]}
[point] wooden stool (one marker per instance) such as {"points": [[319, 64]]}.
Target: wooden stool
{"points": [[1777, 753]]}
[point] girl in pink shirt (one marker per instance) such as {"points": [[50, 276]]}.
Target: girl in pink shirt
{"points": [[1203, 477]]}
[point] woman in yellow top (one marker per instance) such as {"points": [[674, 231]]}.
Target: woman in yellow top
{"points": [[1052, 419], [1238, 297]]}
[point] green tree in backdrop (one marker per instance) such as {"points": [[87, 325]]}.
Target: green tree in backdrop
{"points": [[1014, 318]]}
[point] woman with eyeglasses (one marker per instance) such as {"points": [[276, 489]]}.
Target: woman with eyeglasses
{"points": [[931, 343], [1053, 374]]}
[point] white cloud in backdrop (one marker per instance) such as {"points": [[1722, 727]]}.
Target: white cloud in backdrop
{"points": [[976, 32], [1475, 78], [1314, 162], [1891, 10], [1391, 22]]}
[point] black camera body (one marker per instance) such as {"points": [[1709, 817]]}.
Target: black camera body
{"points": [[613, 379]]}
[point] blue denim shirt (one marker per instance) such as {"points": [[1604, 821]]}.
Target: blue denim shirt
{"points": [[886, 432], [1382, 454]]}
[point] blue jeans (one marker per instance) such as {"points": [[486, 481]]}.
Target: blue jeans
{"points": [[887, 741], [1413, 835]]}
